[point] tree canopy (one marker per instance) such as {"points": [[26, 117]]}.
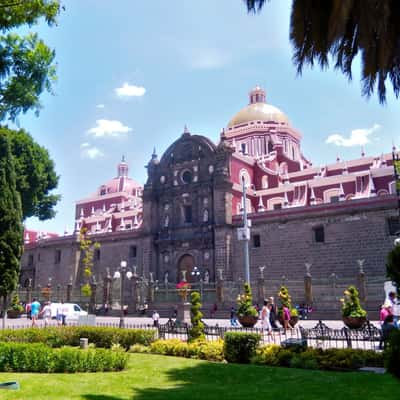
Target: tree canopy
{"points": [[342, 29], [26, 63], [35, 175], [10, 222]]}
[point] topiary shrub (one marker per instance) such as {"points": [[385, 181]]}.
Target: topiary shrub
{"points": [[240, 347], [245, 303], [197, 329], [351, 306], [392, 354]]}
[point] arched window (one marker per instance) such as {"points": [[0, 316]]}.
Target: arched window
{"points": [[264, 182], [244, 174]]}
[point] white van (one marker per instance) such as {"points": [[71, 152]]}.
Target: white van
{"points": [[70, 310]]}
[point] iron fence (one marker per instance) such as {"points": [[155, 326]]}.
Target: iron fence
{"points": [[369, 337]]}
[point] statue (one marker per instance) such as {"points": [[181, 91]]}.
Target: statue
{"points": [[206, 277], [262, 271], [166, 278], [184, 275], [220, 274], [151, 277], [166, 221], [205, 216]]}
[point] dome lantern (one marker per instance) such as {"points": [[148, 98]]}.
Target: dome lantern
{"points": [[257, 95]]}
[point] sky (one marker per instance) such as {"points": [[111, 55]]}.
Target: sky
{"points": [[132, 74]]}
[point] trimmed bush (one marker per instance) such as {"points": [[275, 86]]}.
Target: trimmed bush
{"points": [[199, 349], [70, 335], [37, 357], [392, 354], [330, 359], [196, 332], [240, 347]]}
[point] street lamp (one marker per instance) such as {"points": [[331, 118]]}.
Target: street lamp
{"points": [[122, 273], [195, 272]]}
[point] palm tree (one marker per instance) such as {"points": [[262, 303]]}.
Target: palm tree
{"points": [[342, 29]]}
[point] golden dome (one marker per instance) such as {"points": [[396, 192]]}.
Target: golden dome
{"points": [[258, 110]]}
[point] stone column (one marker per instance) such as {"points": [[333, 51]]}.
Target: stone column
{"points": [[361, 283], [107, 281], [261, 290], [69, 291], [220, 287], [308, 292]]}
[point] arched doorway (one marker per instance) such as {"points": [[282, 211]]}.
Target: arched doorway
{"points": [[186, 263]]}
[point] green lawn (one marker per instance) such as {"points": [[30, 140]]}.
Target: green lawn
{"points": [[159, 377]]}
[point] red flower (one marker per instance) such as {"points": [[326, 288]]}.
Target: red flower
{"points": [[183, 285]]}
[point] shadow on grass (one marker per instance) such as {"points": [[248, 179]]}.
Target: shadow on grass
{"points": [[233, 381], [100, 397]]}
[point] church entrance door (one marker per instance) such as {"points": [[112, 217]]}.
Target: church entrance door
{"points": [[185, 268]]}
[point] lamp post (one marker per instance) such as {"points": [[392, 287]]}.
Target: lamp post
{"points": [[246, 236], [197, 274], [122, 273]]}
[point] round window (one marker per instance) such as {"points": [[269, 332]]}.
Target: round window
{"points": [[187, 177]]}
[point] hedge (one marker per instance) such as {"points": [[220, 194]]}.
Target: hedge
{"points": [[392, 354], [37, 357], [329, 359], [70, 335], [240, 347]]}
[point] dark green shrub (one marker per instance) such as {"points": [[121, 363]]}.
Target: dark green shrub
{"points": [[37, 357], [70, 335], [240, 347], [197, 330], [392, 354]]}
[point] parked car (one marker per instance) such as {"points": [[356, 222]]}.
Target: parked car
{"points": [[71, 310]]}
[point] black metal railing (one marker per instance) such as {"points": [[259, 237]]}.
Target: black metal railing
{"points": [[368, 337]]}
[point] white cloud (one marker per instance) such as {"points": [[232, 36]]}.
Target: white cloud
{"points": [[100, 105], [127, 90], [90, 152], [358, 137], [106, 127]]}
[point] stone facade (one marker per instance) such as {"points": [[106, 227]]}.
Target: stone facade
{"points": [[315, 229]]}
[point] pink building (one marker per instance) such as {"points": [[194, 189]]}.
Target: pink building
{"points": [[116, 205], [267, 155]]}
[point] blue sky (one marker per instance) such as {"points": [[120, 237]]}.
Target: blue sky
{"points": [[132, 73]]}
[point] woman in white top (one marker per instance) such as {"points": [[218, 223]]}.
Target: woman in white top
{"points": [[265, 314]]}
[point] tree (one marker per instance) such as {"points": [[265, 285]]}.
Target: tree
{"points": [[197, 329], [26, 63], [35, 175], [342, 29], [11, 229]]}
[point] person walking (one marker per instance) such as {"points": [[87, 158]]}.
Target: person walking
{"points": [[265, 317], [35, 308], [156, 318], [234, 321], [46, 313], [273, 314]]}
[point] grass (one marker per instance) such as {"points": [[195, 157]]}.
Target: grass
{"points": [[159, 377]]}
